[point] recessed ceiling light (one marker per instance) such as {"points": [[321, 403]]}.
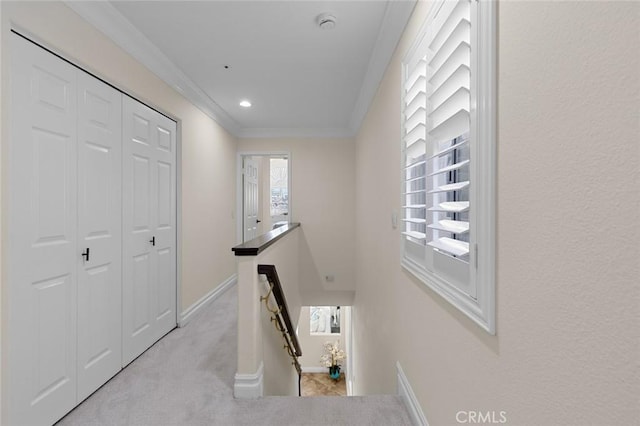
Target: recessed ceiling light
{"points": [[245, 104]]}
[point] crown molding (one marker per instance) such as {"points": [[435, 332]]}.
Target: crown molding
{"points": [[108, 20], [301, 133], [394, 21]]}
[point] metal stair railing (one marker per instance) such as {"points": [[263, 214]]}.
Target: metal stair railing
{"points": [[281, 318]]}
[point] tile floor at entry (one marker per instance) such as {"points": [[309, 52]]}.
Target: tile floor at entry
{"points": [[320, 384]]}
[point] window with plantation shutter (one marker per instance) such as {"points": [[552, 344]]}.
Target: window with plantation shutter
{"points": [[448, 146]]}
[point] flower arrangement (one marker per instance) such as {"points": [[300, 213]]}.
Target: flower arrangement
{"points": [[333, 355]]}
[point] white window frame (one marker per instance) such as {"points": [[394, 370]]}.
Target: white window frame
{"points": [[480, 308]]}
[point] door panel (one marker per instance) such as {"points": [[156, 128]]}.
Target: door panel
{"points": [[165, 208], [149, 298], [99, 282], [42, 256], [141, 180], [138, 224], [165, 225], [96, 187], [99, 230], [141, 291], [165, 288], [49, 197], [250, 205], [51, 301], [140, 133], [165, 139]]}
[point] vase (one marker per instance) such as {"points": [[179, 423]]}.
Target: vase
{"points": [[334, 372]]}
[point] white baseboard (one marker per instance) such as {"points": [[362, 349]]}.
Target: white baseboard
{"points": [[409, 399], [249, 386], [189, 313]]}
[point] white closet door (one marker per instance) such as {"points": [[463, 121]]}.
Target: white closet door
{"points": [[164, 248], [99, 232], [149, 234], [43, 255]]}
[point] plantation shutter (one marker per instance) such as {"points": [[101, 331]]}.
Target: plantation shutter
{"points": [[436, 134], [448, 124], [448, 141], [415, 111]]}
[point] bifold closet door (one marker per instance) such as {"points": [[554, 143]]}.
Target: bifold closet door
{"points": [[149, 227], [99, 233], [42, 220], [65, 233]]}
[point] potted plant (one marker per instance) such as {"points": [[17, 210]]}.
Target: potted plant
{"points": [[332, 358]]}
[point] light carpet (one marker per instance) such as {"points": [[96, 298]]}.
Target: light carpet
{"points": [[187, 379]]}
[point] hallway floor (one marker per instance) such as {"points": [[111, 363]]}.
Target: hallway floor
{"points": [[320, 384], [187, 379]]}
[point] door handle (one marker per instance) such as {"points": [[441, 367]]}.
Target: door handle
{"points": [[86, 255], [258, 221], [153, 241]]}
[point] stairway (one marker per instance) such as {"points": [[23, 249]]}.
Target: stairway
{"points": [[187, 379]]}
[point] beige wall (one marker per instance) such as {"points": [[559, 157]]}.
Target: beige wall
{"points": [[258, 340], [321, 199], [313, 345], [566, 349], [208, 151], [280, 377]]}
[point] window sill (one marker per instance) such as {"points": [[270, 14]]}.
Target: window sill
{"points": [[467, 305]]}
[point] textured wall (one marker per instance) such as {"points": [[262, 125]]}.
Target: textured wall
{"points": [[566, 349]]}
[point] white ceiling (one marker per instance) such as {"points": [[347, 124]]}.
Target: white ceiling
{"points": [[301, 80]]}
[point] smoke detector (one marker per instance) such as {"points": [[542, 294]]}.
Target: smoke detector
{"points": [[326, 21]]}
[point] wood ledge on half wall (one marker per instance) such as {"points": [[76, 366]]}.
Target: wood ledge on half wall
{"points": [[258, 244]]}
